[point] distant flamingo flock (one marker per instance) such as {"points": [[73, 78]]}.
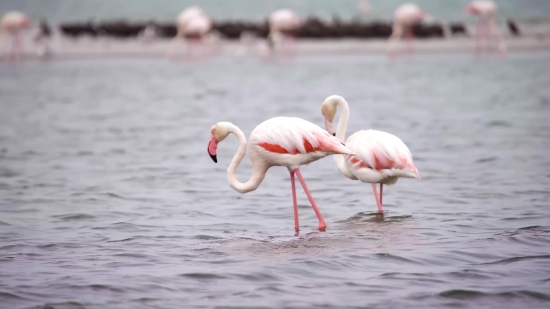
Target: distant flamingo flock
{"points": [[196, 29]]}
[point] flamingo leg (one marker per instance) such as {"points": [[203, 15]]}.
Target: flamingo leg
{"points": [[410, 41], [480, 35], [381, 194], [296, 219], [488, 38], [322, 225], [14, 47], [377, 198]]}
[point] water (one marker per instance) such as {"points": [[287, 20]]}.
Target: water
{"points": [[167, 10], [108, 198]]}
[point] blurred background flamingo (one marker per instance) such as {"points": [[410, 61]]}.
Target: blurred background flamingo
{"points": [[404, 18], [195, 29], [380, 157], [279, 141], [11, 25], [487, 12], [282, 25]]}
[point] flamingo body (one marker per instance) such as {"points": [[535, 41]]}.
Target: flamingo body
{"points": [[408, 14], [404, 18], [192, 23], [281, 25], [380, 157], [284, 20], [291, 142], [198, 26], [487, 12], [14, 21], [280, 141], [11, 24], [189, 13]]}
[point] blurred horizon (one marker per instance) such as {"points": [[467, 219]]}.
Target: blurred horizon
{"points": [[56, 11]]}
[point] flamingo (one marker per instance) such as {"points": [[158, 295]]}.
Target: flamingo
{"points": [[194, 26], [279, 141], [281, 25], [404, 18], [487, 12], [381, 157], [11, 24]]}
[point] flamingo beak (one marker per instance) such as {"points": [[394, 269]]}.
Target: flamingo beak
{"points": [[330, 127], [212, 147]]}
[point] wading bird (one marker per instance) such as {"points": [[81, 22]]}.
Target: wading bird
{"points": [[282, 25], [404, 18], [11, 24], [194, 28], [380, 157], [279, 141], [487, 12]]}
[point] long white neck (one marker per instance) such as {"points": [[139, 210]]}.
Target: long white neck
{"points": [[341, 134], [258, 170]]}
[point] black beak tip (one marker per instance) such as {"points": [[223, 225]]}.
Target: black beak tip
{"points": [[214, 158], [334, 134]]}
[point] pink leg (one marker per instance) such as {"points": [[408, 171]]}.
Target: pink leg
{"points": [[381, 194], [488, 41], [410, 41], [322, 225], [296, 219], [478, 37], [378, 203]]}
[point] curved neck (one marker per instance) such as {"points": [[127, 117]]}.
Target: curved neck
{"points": [[341, 134], [258, 171], [344, 119]]}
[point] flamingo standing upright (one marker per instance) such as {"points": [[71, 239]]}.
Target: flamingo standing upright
{"points": [[194, 27], [11, 24], [404, 18], [279, 141], [380, 157], [282, 24], [487, 12]]}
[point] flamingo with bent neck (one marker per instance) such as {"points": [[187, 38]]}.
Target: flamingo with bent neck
{"points": [[380, 157], [279, 141]]}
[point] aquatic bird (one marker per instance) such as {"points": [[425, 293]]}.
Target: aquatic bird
{"points": [[279, 141], [194, 27], [404, 18], [282, 25], [11, 24], [487, 12], [380, 157]]}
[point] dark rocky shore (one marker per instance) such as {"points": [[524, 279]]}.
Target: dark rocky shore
{"points": [[311, 28]]}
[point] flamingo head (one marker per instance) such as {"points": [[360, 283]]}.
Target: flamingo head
{"points": [[328, 109], [471, 9], [219, 133]]}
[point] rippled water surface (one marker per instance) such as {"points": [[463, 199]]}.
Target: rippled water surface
{"points": [[108, 198]]}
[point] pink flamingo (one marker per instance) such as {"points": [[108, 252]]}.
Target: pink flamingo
{"points": [[282, 24], [404, 18], [381, 157], [279, 141], [487, 12], [12, 24], [194, 27]]}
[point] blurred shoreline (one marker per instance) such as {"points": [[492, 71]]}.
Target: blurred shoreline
{"points": [[94, 48]]}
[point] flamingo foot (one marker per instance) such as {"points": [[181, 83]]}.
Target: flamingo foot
{"points": [[322, 226]]}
